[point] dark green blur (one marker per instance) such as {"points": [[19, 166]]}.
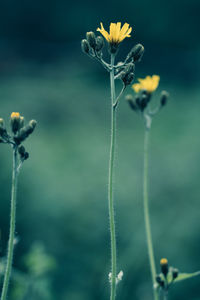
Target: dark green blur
{"points": [[63, 249]]}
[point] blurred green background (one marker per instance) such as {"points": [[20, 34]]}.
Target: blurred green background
{"points": [[63, 249]]}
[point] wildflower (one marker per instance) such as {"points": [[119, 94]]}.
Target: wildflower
{"points": [[164, 266], [148, 84], [15, 115], [116, 34]]}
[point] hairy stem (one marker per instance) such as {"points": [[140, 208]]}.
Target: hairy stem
{"points": [[110, 183], [146, 214], [12, 227]]}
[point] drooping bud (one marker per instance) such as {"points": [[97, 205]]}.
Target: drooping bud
{"points": [[164, 97], [164, 266], [85, 46], [90, 36], [136, 53], [99, 43], [15, 122]]}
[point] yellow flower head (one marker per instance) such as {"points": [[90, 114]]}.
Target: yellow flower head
{"points": [[163, 261], [117, 34], [15, 115], [149, 84]]}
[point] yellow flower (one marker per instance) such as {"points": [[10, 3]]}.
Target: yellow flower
{"points": [[117, 34], [15, 115], [163, 261], [149, 84]]}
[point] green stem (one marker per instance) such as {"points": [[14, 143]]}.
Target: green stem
{"points": [[110, 183], [146, 214], [12, 227]]}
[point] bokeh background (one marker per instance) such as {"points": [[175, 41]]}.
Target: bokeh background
{"points": [[63, 249]]}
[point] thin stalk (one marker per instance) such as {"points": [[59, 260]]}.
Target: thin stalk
{"points": [[12, 227], [110, 183], [146, 214]]}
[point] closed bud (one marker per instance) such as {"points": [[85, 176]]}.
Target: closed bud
{"points": [[99, 43], [164, 266], [33, 124], [90, 36], [21, 150], [85, 46], [164, 97], [21, 122], [26, 155], [2, 124], [127, 75], [15, 122], [131, 102], [159, 280], [143, 102], [136, 53], [175, 273]]}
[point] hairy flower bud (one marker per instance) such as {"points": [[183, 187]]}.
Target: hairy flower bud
{"points": [[159, 280], [90, 36], [136, 53], [175, 273], [131, 102], [85, 46], [164, 97], [99, 43], [127, 75], [21, 150]]}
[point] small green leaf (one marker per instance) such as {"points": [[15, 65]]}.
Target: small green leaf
{"points": [[184, 276]]}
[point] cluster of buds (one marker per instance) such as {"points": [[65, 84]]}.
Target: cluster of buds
{"points": [[20, 133], [93, 47], [140, 103], [167, 275]]}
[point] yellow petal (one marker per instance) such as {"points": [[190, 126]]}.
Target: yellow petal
{"points": [[136, 87], [103, 32]]}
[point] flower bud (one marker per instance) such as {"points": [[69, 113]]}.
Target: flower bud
{"points": [[21, 150], [2, 124], [131, 102], [164, 266], [127, 75], [143, 102], [136, 53], [15, 122], [99, 43], [85, 46], [90, 36], [33, 124], [26, 155], [25, 132], [159, 280], [175, 273], [164, 97], [21, 122]]}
